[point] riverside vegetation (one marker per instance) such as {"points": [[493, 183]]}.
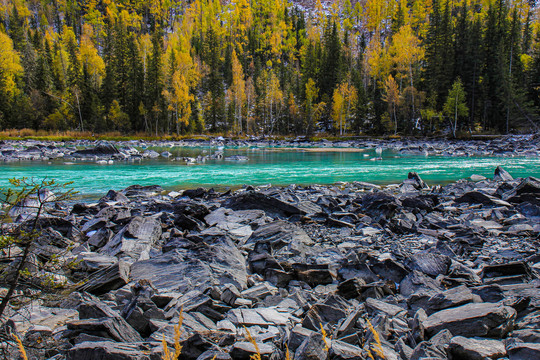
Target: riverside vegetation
{"points": [[347, 271], [270, 67]]}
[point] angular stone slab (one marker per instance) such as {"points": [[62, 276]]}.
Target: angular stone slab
{"points": [[483, 319], [476, 349], [106, 350]]}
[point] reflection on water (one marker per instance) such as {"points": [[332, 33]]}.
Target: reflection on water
{"points": [[267, 166]]}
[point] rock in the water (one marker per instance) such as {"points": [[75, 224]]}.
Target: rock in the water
{"points": [[476, 178], [502, 175], [478, 319], [102, 149], [414, 179]]}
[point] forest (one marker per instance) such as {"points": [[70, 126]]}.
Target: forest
{"points": [[270, 67]]}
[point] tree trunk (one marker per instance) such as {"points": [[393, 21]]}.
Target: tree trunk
{"points": [[455, 117], [412, 91], [20, 268]]}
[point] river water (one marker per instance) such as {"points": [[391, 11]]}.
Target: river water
{"points": [[267, 166]]}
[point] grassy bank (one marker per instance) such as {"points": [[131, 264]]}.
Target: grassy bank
{"points": [[30, 134], [43, 135]]}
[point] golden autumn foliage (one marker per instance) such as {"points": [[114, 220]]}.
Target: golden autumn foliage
{"points": [[344, 100], [265, 67], [10, 66]]}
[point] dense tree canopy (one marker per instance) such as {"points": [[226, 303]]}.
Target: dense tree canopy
{"points": [[267, 67]]}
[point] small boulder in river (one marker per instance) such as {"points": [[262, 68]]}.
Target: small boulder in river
{"points": [[102, 149], [502, 175]]}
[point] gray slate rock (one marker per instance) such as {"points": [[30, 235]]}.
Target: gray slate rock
{"points": [[435, 348], [523, 351], [457, 296], [243, 350], [476, 349], [107, 279], [213, 262], [502, 175], [115, 328], [102, 149], [135, 239], [255, 200], [313, 348], [340, 350], [483, 319], [430, 262], [106, 350], [417, 281]]}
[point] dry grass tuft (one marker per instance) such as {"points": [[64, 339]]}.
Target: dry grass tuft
{"points": [[377, 346], [250, 338], [21, 347], [325, 338], [167, 354]]}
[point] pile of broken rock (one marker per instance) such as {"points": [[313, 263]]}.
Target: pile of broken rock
{"points": [[350, 271]]}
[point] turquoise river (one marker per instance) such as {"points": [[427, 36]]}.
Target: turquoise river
{"points": [[266, 166]]}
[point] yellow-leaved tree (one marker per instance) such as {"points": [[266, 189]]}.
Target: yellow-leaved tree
{"points": [[10, 68], [343, 105], [90, 58], [391, 96], [238, 91], [406, 54], [184, 73]]}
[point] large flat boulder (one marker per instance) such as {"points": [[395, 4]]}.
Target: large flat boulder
{"points": [[107, 279], [457, 296], [282, 235], [256, 200], [195, 266], [107, 350], [115, 328], [102, 149], [476, 349], [477, 319]]}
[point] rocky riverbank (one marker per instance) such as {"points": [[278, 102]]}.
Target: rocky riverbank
{"points": [[104, 151], [351, 271]]}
